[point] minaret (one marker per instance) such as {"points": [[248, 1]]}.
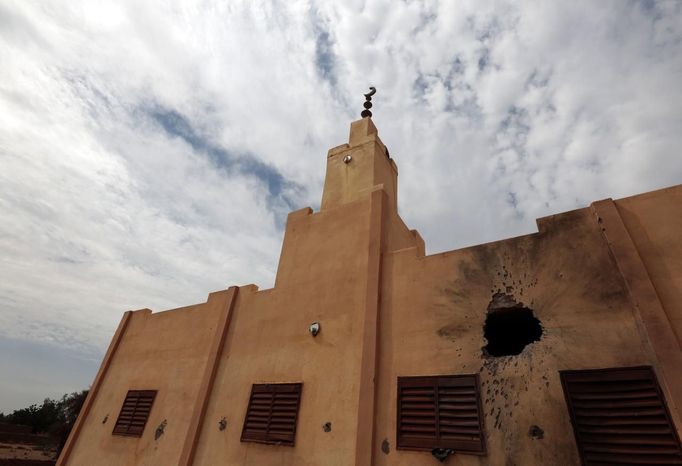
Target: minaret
{"points": [[359, 199], [356, 168]]}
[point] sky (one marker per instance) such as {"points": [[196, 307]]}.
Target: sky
{"points": [[150, 151]]}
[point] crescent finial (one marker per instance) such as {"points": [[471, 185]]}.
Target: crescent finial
{"points": [[368, 102]]}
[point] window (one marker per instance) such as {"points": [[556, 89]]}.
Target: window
{"points": [[440, 412], [134, 413], [619, 416], [272, 413]]}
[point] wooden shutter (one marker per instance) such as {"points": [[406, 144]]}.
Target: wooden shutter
{"points": [[272, 413], [440, 412], [619, 416], [134, 413]]}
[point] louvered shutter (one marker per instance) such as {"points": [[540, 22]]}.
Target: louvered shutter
{"points": [[440, 412], [272, 413], [134, 412], [619, 416]]}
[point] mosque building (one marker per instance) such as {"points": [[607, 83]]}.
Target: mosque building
{"points": [[562, 347]]}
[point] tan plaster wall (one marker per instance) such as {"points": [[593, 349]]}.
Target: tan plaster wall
{"points": [[431, 322], [431, 316], [398, 235], [322, 278], [369, 167], [654, 222], [164, 351]]}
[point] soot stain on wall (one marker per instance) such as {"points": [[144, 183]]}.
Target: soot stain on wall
{"points": [[567, 279], [500, 275]]}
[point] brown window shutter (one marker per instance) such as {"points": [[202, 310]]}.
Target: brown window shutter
{"points": [[272, 413], [619, 416], [134, 413], [440, 412]]}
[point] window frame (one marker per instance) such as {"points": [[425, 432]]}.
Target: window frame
{"points": [[436, 381], [123, 425], [295, 388]]}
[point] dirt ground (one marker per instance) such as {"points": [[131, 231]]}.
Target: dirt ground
{"points": [[27, 453]]}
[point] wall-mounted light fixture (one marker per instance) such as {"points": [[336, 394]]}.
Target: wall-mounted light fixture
{"points": [[160, 430]]}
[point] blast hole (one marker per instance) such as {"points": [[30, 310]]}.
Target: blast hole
{"points": [[509, 330]]}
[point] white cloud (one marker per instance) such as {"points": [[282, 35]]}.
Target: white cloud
{"points": [[496, 113]]}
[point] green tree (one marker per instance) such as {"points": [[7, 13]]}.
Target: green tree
{"points": [[54, 417]]}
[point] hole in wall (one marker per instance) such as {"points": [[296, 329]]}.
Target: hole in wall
{"points": [[509, 327]]}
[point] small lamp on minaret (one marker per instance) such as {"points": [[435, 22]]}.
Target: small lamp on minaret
{"points": [[368, 103]]}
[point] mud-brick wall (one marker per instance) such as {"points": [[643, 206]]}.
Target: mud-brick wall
{"points": [[164, 351], [322, 278], [432, 318], [654, 223]]}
